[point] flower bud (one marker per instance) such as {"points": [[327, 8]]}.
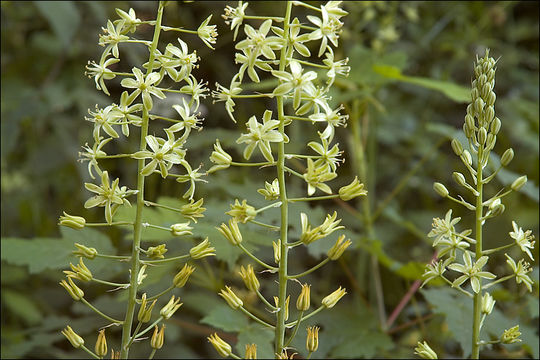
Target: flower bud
{"points": [[249, 277], [101, 344], [490, 100], [511, 335], [193, 210], [156, 252], [80, 272], [73, 338], [221, 346], [84, 251], [202, 250], [74, 222], [181, 229], [251, 351], [277, 250], [459, 178], [73, 290], [168, 310], [220, 158], [339, 247], [156, 342], [182, 277], [332, 299], [507, 157], [495, 126], [440, 189], [234, 301], [457, 147], [489, 113], [270, 191], [352, 190], [466, 157], [469, 121], [303, 301], [312, 340], [519, 183], [285, 308], [487, 303], [145, 313], [424, 351], [490, 142], [482, 135], [232, 232]]}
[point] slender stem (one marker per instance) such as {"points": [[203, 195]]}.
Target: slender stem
{"points": [[263, 299], [109, 283], [114, 156], [151, 356], [168, 28], [150, 203], [137, 328], [491, 251], [157, 226], [148, 328], [280, 321], [300, 3], [461, 202], [312, 64], [90, 352], [477, 311], [508, 277], [161, 261], [291, 171], [274, 18], [111, 224], [256, 258], [114, 257], [252, 164], [295, 328], [276, 204], [126, 329], [315, 198], [100, 313], [457, 288], [262, 322], [161, 293], [310, 270], [316, 311], [276, 228]]}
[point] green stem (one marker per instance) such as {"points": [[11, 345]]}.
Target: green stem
{"points": [[295, 329], [477, 311], [263, 299], [508, 277], [90, 352], [310, 270], [114, 257], [114, 156], [137, 228], [100, 313], [148, 328], [152, 354], [274, 18], [111, 224], [262, 322], [276, 204], [137, 328], [256, 258], [109, 283], [316, 311], [491, 251], [275, 228], [150, 203], [161, 261], [315, 198], [233, 163], [280, 321], [161, 293]]}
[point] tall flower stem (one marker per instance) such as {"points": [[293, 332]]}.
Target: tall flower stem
{"points": [[137, 227], [280, 323], [478, 296]]}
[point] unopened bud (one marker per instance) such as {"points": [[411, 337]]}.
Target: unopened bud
{"points": [[234, 301], [440, 189], [490, 100], [73, 338], [202, 250], [277, 250], [145, 313], [101, 344], [354, 189], [332, 299], [73, 290], [482, 135], [478, 105], [457, 147], [84, 251], [469, 121], [249, 277], [182, 277], [507, 157], [490, 142], [339, 247], [285, 308], [74, 222], [312, 340], [303, 301], [156, 252], [181, 229], [220, 158], [231, 232], [251, 351], [466, 157], [168, 310], [495, 126], [519, 183], [489, 113], [424, 351], [487, 303], [459, 178], [156, 342], [220, 345]]}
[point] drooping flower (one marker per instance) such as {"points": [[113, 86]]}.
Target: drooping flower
{"points": [[524, 239]]}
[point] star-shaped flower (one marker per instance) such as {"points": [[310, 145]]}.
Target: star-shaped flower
{"points": [[520, 271], [472, 271], [261, 135], [145, 85], [523, 239]]}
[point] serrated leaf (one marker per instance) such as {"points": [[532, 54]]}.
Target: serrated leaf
{"points": [[63, 17], [225, 318], [38, 253]]}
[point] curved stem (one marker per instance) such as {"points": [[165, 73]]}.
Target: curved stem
{"points": [[265, 225], [310, 270], [137, 228], [161, 261], [316, 311], [256, 258], [90, 352], [263, 299], [161, 293], [110, 283], [315, 198], [262, 322], [295, 329], [100, 313]]}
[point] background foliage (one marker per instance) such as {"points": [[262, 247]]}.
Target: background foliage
{"points": [[411, 67]]}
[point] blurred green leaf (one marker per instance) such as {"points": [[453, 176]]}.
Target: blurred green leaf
{"points": [[225, 318], [256, 334], [22, 306], [63, 17]]}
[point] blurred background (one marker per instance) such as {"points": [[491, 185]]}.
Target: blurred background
{"points": [[397, 141]]}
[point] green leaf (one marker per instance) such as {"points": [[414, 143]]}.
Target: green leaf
{"points": [[256, 334], [453, 91], [225, 318], [38, 254], [22, 306], [63, 17]]}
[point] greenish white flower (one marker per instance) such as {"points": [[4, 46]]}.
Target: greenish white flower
{"points": [[129, 21], [186, 60], [163, 154], [111, 37], [224, 94], [104, 119], [144, 85], [126, 110], [328, 30], [335, 67], [310, 235], [510, 336], [313, 97], [295, 81], [316, 177], [242, 212], [270, 191], [192, 176], [487, 303], [259, 42], [328, 157], [435, 270], [471, 271], [443, 228], [523, 239], [100, 72], [194, 88], [261, 135], [333, 119], [424, 351], [207, 33], [520, 270], [235, 16]]}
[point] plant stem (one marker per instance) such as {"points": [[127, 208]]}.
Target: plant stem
{"points": [[83, 300], [137, 227], [280, 323], [309, 271], [262, 322], [478, 296]]}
